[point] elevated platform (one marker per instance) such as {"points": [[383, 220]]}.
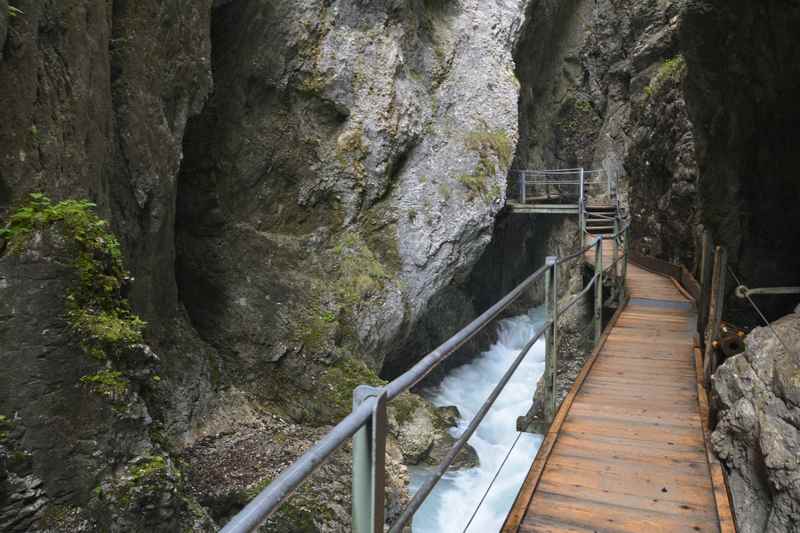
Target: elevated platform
{"points": [[628, 449]]}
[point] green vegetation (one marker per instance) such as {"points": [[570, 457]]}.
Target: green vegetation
{"points": [[671, 69], [6, 425], [13, 11], [583, 106], [107, 383], [445, 192], [338, 382], [491, 142], [96, 308], [351, 152], [360, 272], [151, 467], [404, 406], [493, 148]]}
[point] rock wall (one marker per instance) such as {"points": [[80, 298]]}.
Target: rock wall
{"points": [[292, 184], [757, 395]]}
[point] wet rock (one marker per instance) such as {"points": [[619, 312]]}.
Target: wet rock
{"points": [[448, 414], [422, 432]]}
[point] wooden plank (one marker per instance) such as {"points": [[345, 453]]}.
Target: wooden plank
{"points": [[614, 517]]}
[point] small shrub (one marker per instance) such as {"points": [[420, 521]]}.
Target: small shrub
{"points": [[671, 69]]}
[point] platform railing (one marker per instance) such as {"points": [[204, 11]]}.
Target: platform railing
{"points": [[564, 185], [367, 426]]}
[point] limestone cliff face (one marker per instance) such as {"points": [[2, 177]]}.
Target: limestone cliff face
{"points": [[348, 167], [292, 184]]}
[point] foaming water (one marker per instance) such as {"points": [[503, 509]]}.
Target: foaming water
{"points": [[450, 505]]}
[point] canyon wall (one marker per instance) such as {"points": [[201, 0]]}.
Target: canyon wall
{"points": [[291, 184]]}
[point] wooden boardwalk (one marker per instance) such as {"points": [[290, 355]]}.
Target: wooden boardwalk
{"points": [[627, 450]]}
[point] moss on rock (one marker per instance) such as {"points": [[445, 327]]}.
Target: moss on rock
{"points": [[493, 148], [338, 382], [671, 69], [96, 307]]}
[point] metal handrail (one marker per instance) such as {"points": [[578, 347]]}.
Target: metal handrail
{"points": [[366, 423], [269, 499], [427, 487]]}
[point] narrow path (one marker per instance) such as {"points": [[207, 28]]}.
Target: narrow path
{"points": [[627, 451]]}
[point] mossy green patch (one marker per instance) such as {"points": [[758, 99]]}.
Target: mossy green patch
{"points": [[96, 308], [491, 142], [107, 383], [671, 69], [404, 407], [6, 425], [351, 152], [360, 273], [493, 148], [153, 466], [338, 382]]}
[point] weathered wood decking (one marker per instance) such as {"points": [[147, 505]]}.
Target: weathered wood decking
{"points": [[627, 449]]}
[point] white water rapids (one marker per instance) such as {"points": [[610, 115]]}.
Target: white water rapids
{"points": [[453, 500]]}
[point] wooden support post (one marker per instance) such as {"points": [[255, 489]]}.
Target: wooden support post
{"points": [[522, 186], [705, 281], [716, 303], [626, 253], [598, 291], [615, 262]]}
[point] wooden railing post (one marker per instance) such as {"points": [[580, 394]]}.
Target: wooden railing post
{"points": [[716, 302], [598, 291], [523, 185], [705, 281], [615, 262], [551, 344], [625, 254]]}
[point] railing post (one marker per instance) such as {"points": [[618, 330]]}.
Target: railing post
{"points": [[581, 214], [551, 342], [522, 186], [617, 237], [706, 259], [369, 463], [716, 303], [598, 291], [626, 243]]}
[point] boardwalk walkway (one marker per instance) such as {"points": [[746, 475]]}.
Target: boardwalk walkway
{"points": [[627, 451]]}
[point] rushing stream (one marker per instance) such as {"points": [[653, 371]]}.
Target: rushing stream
{"points": [[451, 504]]}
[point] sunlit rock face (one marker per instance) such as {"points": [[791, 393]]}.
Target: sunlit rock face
{"points": [[348, 168]]}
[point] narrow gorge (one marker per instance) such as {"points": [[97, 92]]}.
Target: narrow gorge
{"points": [[219, 217]]}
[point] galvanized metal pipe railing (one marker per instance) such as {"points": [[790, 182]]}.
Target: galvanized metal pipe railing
{"points": [[367, 422], [426, 488], [548, 178], [268, 500]]}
